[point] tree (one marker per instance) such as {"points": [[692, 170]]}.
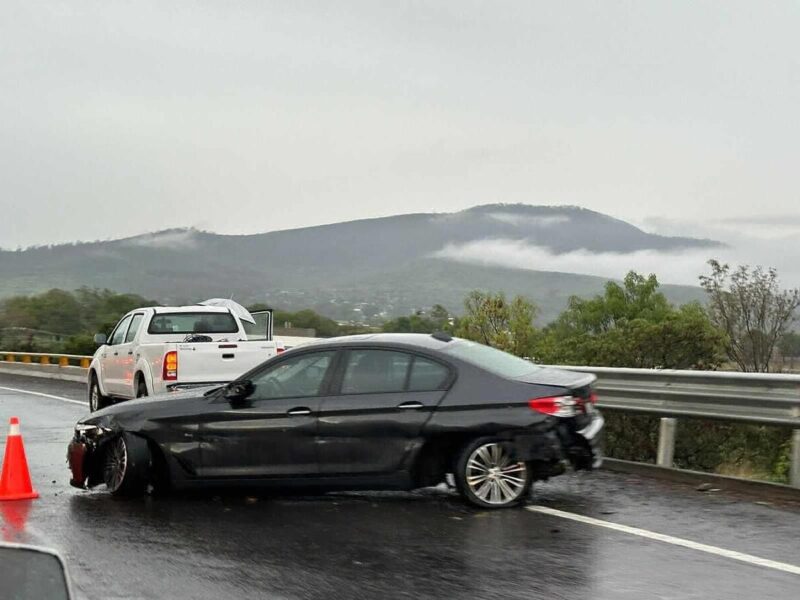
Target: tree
{"points": [[74, 315], [789, 347], [752, 309], [632, 325], [437, 319], [490, 319]]}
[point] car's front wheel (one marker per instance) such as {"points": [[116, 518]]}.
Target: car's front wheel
{"points": [[127, 465], [486, 475]]}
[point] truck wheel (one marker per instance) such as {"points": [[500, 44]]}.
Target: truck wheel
{"points": [[141, 387], [96, 398], [126, 465], [487, 477]]}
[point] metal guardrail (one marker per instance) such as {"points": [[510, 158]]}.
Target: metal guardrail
{"points": [[757, 398], [761, 398]]}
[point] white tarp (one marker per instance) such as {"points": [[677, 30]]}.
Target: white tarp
{"points": [[236, 308]]}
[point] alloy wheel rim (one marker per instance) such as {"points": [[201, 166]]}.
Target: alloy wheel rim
{"points": [[116, 463], [93, 398], [493, 477]]}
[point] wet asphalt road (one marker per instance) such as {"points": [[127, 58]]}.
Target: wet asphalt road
{"points": [[379, 545]]}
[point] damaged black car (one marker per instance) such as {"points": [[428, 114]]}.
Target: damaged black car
{"points": [[370, 412]]}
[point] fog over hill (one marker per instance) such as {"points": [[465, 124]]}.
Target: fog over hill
{"points": [[395, 263]]}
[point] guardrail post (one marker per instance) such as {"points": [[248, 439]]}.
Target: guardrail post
{"points": [[85, 363], [794, 473], [666, 442], [63, 361], [26, 359]]}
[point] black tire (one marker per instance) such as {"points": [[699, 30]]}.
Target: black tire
{"points": [[126, 465], [486, 477], [141, 387], [96, 398]]}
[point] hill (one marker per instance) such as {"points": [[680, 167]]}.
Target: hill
{"points": [[344, 270]]}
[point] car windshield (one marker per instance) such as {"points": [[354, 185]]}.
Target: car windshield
{"points": [[194, 322], [493, 360]]}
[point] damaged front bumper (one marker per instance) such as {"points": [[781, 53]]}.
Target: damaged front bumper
{"points": [[83, 456]]}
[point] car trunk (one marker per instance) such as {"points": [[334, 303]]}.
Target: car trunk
{"points": [[572, 380]]}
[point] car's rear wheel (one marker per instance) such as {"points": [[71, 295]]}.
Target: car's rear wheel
{"points": [[126, 465], [486, 475], [96, 398], [141, 387]]}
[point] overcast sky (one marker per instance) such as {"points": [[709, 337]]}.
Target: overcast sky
{"points": [[118, 118]]}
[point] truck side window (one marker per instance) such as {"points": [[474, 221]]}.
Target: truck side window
{"points": [[134, 328], [119, 332]]}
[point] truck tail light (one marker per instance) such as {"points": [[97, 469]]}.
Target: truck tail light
{"points": [[170, 372], [557, 406]]}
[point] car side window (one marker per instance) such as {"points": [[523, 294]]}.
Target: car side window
{"points": [[136, 322], [119, 332], [375, 372], [299, 376], [427, 375]]}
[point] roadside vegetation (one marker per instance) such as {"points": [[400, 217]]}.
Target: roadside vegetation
{"points": [[61, 321], [746, 325]]}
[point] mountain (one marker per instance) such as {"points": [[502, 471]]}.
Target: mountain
{"points": [[393, 264]]}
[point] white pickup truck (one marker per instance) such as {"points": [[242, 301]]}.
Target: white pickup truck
{"points": [[157, 349]]}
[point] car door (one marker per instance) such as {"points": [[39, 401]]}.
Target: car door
{"points": [[374, 421], [111, 364], [126, 358], [272, 432]]}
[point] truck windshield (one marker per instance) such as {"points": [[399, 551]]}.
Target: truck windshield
{"points": [[194, 322], [493, 360]]}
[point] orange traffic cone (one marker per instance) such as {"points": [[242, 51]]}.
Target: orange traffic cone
{"points": [[15, 482]]}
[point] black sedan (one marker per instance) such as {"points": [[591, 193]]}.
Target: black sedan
{"points": [[385, 411]]}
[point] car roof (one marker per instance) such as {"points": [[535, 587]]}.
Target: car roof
{"points": [[426, 341], [189, 309]]}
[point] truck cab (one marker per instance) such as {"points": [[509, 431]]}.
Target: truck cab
{"points": [[157, 349]]}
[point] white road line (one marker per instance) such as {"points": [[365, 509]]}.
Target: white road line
{"points": [[668, 539], [70, 400]]}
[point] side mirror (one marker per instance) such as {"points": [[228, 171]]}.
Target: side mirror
{"points": [[100, 339], [28, 572], [236, 391]]}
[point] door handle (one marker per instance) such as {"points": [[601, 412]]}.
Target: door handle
{"points": [[130, 353], [299, 411], [410, 405], [116, 353]]}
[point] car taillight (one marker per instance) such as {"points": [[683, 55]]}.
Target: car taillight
{"points": [[170, 372], [557, 406], [593, 398], [280, 350]]}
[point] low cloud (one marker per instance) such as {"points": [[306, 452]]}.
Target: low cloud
{"points": [[769, 241], [678, 267], [183, 239], [731, 230], [682, 267], [529, 220]]}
